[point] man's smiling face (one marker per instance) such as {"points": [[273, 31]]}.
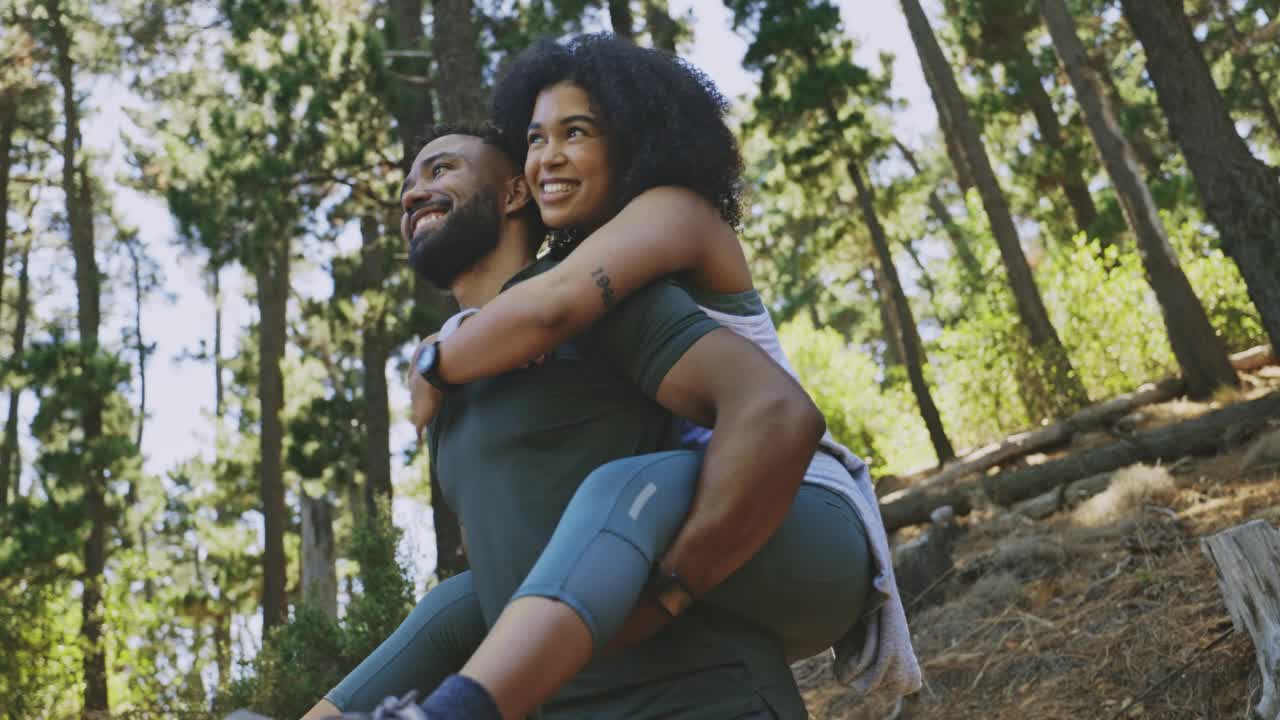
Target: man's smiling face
{"points": [[450, 202]]}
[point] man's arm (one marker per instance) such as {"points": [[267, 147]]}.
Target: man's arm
{"points": [[766, 431]]}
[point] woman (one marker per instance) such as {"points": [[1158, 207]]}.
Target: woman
{"points": [[627, 148]]}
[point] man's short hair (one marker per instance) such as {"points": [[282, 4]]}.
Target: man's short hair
{"points": [[490, 135]]}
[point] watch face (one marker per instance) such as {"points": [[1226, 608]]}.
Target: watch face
{"points": [[426, 360]]}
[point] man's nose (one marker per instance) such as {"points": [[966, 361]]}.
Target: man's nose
{"points": [[418, 192]]}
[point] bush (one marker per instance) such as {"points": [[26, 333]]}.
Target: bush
{"points": [[304, 658]]}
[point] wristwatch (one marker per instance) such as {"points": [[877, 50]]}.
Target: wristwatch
{"points": [[429, 367], [669, 591]]}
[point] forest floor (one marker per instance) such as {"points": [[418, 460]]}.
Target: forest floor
{"points": [[1106, 610]]}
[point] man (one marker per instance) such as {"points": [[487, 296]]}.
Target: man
{"points": [[511, 451]]}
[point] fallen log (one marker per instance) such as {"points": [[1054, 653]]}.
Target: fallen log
{"points": [[914, 505], [1060, 433], [1247, 559], [1056, 435], [1201, 436]]}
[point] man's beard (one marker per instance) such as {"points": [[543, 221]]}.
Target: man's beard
{"points": [[469, 232]]}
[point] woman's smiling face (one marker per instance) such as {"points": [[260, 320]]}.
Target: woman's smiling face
{"points": [[568, 161]]}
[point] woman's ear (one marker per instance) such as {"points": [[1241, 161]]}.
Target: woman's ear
{"points": [[516, 195]]}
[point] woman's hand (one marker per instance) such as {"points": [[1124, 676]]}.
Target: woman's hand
{"points": [[424, 398]]}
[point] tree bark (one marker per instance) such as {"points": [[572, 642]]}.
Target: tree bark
{"points": [[319, 556], [1070, 168], [1241, 194], [375, 351], [663, 29], [1247, 561], [8, 125], [78, 199], [621, 19], [409, 101], [138, 342], [908, 338], [1203, 435], [9, 450], [272, 275], [1067, 391], [940, 212], [459, 64], [1200, 351]]}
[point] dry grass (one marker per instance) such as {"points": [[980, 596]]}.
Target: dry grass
{"points": [[1088, 612], [1131, 488]]}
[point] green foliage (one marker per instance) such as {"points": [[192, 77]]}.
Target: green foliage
{"points": [[880, 425], [307, 656]]}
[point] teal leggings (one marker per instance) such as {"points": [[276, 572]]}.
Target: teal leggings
{"points": [[807, 585]]}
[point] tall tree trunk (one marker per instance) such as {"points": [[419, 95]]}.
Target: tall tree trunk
{"points": [[408, 35], [375, 351], [663, 29], [8, 125], [1241, 193], [940, 212], [319, 556], [1070, 169], [909, 345], [78, 198], [218, 390], [9, 450], [1250, 63], [1201, 353], [408, 95], [1067, 392], [460, 65], [272, 275], [138, 342], [621, 19]]}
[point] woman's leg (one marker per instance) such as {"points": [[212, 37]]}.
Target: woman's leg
{"points": [[587, 581], [436, 639]]}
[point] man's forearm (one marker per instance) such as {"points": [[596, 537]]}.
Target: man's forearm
{"points": [[757, 458]]}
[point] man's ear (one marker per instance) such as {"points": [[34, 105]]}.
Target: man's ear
{"points": [[516, 195]]}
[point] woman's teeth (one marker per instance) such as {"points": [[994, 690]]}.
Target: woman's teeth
{"points": [[556, 188]]}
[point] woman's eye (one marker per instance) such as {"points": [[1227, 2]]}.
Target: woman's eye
{"points": [[535, 139], [436, 170], [574, 132]]}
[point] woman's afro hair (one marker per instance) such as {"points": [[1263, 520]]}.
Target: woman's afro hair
{"points": [[664, 117]]}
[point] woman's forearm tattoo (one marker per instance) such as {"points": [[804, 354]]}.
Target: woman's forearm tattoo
{"points": [[606, 292]]}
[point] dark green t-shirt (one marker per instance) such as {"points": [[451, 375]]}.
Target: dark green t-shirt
{"points": [[511, 451]]}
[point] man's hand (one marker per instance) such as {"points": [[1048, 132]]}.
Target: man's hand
{"points": [[424, 399]]}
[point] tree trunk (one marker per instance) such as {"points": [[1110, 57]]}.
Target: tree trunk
{"points": [[1241, 194], [138, 343], [1201, 353], [78, 198], [908, 337], [319, 556], [218, 391], [1067, 391], [272, 275], [407, 96], [459, 64], [375, 350], [663, 29], [1247, 561], [9, 450], [940, 212], [1070, 169], [621, 19], [8, 124], [1204, 435]]}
